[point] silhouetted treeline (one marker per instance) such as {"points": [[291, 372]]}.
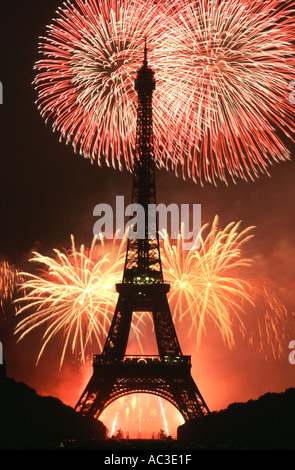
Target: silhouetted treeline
{"points": [[264, 424], [28, 419]]}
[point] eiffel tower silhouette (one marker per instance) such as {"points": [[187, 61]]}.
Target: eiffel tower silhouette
{"points": [[143, 289]]}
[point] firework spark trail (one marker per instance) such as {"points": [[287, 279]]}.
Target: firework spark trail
{"points": [[114, 425], [73, 295], [222, 68], [268, 327], [164, 417], [9, 280]]}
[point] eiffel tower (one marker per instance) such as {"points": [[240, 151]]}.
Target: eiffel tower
{"points": [[143, 289]]}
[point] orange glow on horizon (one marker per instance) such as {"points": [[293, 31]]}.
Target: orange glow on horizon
{"points": [[141, 416]]}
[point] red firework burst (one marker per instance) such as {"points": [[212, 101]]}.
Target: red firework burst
{"points": [[85, 80], [223, 70], [238, 63]]}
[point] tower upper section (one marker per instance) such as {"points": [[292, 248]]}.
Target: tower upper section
{"points": [[145, 85], [143, 263], [145, 82]]}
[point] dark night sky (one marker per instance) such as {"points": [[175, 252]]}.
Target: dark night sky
{"points": [[47, 193]]}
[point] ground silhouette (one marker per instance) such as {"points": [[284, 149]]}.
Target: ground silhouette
{"points": [[267, 423], [30, 420]]}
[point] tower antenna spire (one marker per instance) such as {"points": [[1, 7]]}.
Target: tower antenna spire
{"points": [[145, 53]]}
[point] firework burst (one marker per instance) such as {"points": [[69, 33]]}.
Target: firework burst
{"points": [[222, 68], [238, 60], [85, 80], [73, 295], [209, 283], [216, 283]]}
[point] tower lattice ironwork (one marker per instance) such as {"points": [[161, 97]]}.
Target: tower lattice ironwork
{"points": [[143, 289]]}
